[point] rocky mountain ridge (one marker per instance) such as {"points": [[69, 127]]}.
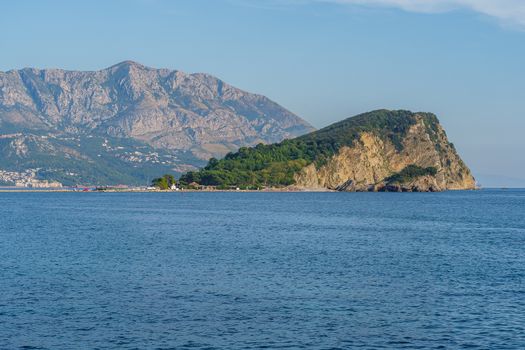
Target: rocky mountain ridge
{"points": [[192, 116]]}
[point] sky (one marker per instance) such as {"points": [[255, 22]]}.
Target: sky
{"points": [[324, 60]]}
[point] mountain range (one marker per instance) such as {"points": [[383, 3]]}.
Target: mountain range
{"points": [[128, 122]]}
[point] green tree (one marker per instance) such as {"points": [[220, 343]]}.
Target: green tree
{"points": [[165, 182]]}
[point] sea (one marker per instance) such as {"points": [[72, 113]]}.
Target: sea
{"points": [[231, 270]]}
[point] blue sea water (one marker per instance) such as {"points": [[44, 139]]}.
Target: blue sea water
{"points": [[262, 270]]}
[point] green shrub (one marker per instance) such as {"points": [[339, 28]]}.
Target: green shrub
{"points": [[410, 173]]}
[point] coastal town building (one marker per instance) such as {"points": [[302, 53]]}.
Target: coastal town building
{"points": [[33, 183]]}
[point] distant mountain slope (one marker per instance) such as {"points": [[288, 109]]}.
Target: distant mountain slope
{"points": [[380, 150], [82, 160], [196, 115]]}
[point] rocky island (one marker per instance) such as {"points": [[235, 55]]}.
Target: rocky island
{"points": [[381, 150]]}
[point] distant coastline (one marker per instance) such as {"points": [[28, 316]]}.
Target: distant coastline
{"points": [[13, 189]]}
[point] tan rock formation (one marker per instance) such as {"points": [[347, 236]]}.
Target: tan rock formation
{"points": [[372, 158]]}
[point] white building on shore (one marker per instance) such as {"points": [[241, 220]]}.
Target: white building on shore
{"points": [[33, 183]]}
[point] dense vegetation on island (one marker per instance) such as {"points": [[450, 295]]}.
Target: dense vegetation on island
{"points": [[164, 183], [410, 173], [276, 164]]}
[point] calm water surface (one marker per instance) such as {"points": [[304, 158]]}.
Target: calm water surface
{"points": [[262, 270]]}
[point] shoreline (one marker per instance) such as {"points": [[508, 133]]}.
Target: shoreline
{"points": [[268, 190], [3, 190]]}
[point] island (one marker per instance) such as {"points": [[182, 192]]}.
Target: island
{"points": [[383, 150]]}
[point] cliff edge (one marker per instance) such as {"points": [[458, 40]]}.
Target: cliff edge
{"points": [[372, 160]]}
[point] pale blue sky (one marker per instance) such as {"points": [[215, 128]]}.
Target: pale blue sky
{"points": [[323, 59]]}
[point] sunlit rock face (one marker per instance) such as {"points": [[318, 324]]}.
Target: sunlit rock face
{"points": [[367, 164], [164, 108]]}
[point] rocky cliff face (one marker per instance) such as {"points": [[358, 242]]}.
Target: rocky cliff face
{"points": [[164, 108], [366, 164]]}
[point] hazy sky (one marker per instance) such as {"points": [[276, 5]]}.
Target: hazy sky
{"points": [[323, 59]]}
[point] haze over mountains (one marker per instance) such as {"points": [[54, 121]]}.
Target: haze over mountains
{"points": [[128, 122]]}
